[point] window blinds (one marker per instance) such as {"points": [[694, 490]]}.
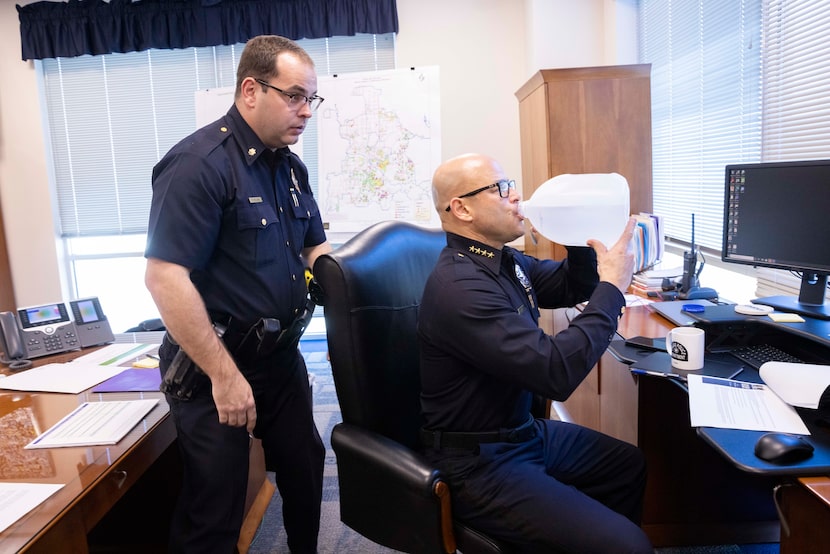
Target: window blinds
{"points": [[796, 107], [706, 106]]}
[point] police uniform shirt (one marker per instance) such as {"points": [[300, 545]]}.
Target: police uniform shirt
{"points": [[239, 216], [482, 353]]}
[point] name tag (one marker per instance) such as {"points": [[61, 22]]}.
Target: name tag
{"points": [[255, 200]]}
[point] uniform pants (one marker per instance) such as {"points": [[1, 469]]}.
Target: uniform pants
{"points": [[569, 489], [210, 510]]}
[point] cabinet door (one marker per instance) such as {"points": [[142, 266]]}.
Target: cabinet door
{"points": [[606, 400]]}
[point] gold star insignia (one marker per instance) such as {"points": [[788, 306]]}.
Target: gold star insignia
{"points": [[252, 151], [481, 251]]}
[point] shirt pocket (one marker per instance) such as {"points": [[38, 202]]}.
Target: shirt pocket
{"points": [[258, 226], [303, 205]]}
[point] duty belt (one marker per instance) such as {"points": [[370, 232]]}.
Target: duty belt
{"points": [[458, 439]]}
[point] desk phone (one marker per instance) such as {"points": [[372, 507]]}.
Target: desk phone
{"points": [[38, 331], [48, 329]]}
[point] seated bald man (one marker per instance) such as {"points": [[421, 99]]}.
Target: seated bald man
{"points": [[541, 485]]}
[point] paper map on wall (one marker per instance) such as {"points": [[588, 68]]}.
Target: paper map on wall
{"points": [[379, 141]]}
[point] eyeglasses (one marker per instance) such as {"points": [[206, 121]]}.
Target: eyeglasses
{"points": [[505, 186], [295, 99]]}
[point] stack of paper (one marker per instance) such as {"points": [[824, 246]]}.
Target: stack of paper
{"points": [[652, 279]]}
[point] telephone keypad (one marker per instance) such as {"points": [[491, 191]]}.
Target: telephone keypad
{"points": [[52, 341]]}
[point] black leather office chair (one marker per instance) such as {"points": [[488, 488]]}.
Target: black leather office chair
{"points": [[155, 324], [372, 289]]}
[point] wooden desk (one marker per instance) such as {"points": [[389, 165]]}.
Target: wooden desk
{"points": [[121, 494], [693, 495]]}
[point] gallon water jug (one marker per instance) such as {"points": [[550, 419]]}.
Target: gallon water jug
{"points": [[569, 209]]}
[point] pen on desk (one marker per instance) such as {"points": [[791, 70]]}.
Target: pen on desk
{"points": [[153, 356], [736, 373], [647, 372]]}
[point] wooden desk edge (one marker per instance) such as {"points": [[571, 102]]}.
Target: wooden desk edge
{"points": [[819, 486]]}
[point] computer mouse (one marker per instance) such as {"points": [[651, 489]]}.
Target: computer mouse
{"points": [[782, 448]]}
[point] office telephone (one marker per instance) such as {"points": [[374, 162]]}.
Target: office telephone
{"points": [[44, 330], [93, 326]]}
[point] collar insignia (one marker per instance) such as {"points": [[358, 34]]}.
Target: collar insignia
{"points": [[252, 151], [481, 251]]}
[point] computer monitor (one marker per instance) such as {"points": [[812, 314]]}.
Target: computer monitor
{"points": [[778, 215]]}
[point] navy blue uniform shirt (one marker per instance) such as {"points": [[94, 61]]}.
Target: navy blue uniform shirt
{"points": [[482, 352], [238, 216]]}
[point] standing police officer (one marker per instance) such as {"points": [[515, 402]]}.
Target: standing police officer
{"points": [[233, 225], [542, 485]]}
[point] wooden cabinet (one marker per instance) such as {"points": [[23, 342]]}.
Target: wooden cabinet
{"points": [[590, 120], [586, 120]]}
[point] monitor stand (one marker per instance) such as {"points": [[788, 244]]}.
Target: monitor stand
{"points": [[810, 301], [790, 304]]}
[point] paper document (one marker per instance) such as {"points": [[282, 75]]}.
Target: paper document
{"points": [[717, 402], [72, 377], [94, 423], [18, 499], [797, 384], [116, 354]]}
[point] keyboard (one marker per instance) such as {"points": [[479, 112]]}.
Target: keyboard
{"points": [[758, 354]]}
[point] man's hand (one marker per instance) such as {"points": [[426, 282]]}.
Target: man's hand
{"points": [[617, 264], [234, 400]]}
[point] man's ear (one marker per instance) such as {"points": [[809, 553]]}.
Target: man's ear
{"points": [[460, 210], [248, 91]]}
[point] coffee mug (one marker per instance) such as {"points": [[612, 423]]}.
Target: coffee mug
{"points": [[685, 345]]}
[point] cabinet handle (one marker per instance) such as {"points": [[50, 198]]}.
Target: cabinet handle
{"points": [[119, 476]]}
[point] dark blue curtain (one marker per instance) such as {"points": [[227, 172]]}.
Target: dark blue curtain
{"points": [[66, 29]]}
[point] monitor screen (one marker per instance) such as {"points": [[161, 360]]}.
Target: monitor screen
{"points": [[776, 215]]}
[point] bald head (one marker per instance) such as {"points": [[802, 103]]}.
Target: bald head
{"points": [[484, 216], [461, 174]]}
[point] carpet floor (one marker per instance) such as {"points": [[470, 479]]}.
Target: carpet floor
{"points": [[335, 537]]}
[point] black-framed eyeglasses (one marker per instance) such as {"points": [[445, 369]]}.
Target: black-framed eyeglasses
{"points": [[505, 186], [295, 99]]}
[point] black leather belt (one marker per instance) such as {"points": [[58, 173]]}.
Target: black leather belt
{"points": [[456, 439]]}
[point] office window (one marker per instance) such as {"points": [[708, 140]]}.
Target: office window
{"points": [[732, 82], [110, 118], [796, 107], [706, 105]]}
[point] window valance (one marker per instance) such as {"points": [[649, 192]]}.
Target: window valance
{"points": [[77, 27]]}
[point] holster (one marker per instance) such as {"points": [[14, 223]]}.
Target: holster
{"points": [[266, 337], [182, 374]]}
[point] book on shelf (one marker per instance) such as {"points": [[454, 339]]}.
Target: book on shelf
{"points": [[649, 241]]}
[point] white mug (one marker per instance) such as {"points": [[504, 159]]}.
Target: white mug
{"points": [[685, 345]]}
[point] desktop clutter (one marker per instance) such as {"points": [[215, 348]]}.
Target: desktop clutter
{"points": [[772, 370]]}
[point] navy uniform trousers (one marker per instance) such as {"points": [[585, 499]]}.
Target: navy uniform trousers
{"points": [[211, 504], [568, 489]]}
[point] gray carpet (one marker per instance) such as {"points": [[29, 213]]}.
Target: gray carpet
{"points": [[336, 538]]}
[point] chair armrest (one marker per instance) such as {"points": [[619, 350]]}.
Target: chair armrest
{"points": [[391, 494]]}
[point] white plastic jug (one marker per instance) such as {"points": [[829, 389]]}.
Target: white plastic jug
{"points": [[569, 209]]}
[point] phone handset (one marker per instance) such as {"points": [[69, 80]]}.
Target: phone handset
{"points": [[12, 343]]}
